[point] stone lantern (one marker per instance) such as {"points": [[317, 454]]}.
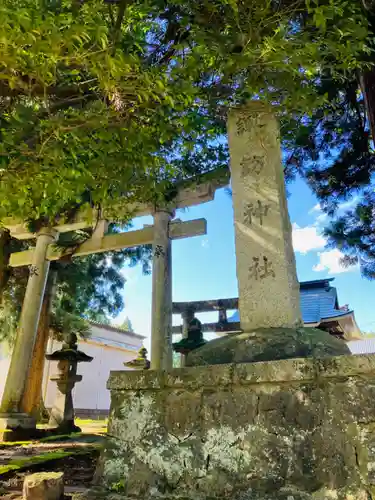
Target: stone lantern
{"points": [[141, 362], [194, 337], [68, 357]]}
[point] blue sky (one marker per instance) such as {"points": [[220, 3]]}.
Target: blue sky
{"points": [[204, 266]]}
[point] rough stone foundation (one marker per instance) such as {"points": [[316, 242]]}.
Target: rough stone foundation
{"points": [[293, 430]]}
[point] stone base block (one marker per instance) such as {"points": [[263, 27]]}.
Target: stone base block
{"points": [[15, 426], [296, 429]]}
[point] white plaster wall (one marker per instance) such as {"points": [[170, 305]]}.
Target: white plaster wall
{"points": [[91, 393], [4, 365], [110, 350]]}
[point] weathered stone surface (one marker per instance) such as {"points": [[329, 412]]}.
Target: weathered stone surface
{"points": [[193, 378], [44, 486], [145, 380], [309, 435], [267, 344], [266, 269]]}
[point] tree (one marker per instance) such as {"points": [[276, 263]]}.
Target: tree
{"points": [[106, 101], [109, 100], [127, 325], [333, 150]]}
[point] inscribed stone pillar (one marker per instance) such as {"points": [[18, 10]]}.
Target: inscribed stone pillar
{"points": [[24, 345], [266, 270], [161, 324]]}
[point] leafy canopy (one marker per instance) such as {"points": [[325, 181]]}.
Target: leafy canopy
{"points": [[106, 100], [333, 150]]}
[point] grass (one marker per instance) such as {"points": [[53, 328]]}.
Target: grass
{"points": [[10, 444], [47, 439], [100, 426], [28, 462], [88, 421], [59, 437], [22, 463]]}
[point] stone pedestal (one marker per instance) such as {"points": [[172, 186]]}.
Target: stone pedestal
{"points": [[16, 426], [268, 344], [300, 429], [266, 270], [21, 357], [62, 413], [161, 321]]}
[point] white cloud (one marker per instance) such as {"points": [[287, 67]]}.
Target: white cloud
{"points": [[320, 216], [306, 239], [315, 208], [322, 219], [347, 205], [330, 261]]}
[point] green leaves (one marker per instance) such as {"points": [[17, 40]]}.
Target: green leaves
{"points": [[121, 100]]}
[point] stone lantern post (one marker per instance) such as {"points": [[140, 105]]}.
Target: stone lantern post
{"points": [[68, 357]]}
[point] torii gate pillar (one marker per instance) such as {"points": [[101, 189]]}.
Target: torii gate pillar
{"points": [[12, 415], [161, 322]]}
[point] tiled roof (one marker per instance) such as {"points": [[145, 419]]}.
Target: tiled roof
{"points": [[318, 302]]}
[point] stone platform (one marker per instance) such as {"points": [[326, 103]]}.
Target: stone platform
{"points": [[293, 429]]}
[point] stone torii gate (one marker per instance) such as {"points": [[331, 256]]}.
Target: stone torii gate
{"points": [[38, 259]]}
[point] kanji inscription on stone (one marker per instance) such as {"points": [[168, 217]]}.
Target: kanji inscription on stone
{"points": [[245, 122], [257, 210], [158, 251], [251, 164], [260, 271], [34, 271], [267, 279]]}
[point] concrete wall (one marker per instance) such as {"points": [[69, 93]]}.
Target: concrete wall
{"points": [[294, 430]]}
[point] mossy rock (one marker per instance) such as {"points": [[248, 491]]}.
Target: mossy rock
{"points": [[268, 344]]}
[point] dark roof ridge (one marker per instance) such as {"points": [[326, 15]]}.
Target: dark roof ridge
{"points": [[324, 281]]}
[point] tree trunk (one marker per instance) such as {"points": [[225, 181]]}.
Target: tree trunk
{"points": [[367, 83], [367, 77], [4, 259], [32, 402]]}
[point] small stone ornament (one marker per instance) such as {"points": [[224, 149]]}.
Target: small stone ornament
{"points": [[68, 357], [193, 340], [141, 362]]}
